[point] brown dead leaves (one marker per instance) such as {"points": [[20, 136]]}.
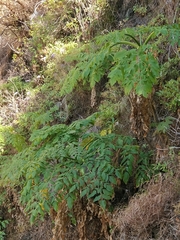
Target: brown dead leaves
{"points": [[141, 113]]}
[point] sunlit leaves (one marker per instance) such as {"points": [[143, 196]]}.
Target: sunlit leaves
{"points": [[136, 70], [133, 66], [67, 162]]}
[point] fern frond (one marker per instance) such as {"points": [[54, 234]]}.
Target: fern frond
{"points": [[135, 40], [148, 38], [134, 45]]}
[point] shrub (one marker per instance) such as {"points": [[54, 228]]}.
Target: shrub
{"points": [[140, 9], [132, 64], [65, 162]]}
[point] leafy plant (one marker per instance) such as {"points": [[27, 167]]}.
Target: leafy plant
{"points": [[14, 84], [3, 224], [135, 68], [135, 44], [52, 162], [163, 126], [11, 139], [159, 20], [170, 95], [67, 162], [140, 9]]}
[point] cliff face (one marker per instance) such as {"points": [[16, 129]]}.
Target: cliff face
{"points": [[37, 53]]}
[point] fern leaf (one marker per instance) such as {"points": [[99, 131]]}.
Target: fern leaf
{"points": [[134, 39]]}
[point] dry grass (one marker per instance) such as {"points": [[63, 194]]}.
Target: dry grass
{"points": [[13, 104], [151, 214]]}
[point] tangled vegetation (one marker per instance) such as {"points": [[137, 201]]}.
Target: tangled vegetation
{"points": [[89, 119]]}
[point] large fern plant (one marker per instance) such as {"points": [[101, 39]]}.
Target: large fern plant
{"points": [[67, 162], [128, 57]]}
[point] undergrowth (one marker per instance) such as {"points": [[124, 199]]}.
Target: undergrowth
{"points": [[79, 123], [64, 162]]}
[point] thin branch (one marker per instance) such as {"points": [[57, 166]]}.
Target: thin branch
{"points": [[12, 48], [176, 11]]}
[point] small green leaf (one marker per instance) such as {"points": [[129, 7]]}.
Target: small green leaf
{"points": [[81, 182], [126, 177], [92, 194], [58, 186], [32, 219], [97, 198], [164, 125], [46, 206], [118, 173], [70, 202], [72, 188], [86, 72], [84, 192], [120, 142], [107, 195], [66, 182], [102, 204], [55, 205], [69, 176], [109, 187], [97, 182], [112, 179], [92, 174], [104, 176], [115, 76], [28, 185]]}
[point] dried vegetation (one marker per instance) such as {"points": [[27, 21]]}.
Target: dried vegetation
{"points": [[90, 222], [151, 214]]}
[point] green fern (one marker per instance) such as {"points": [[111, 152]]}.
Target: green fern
{"points": [[64, 162], [9, 137], [163, 126], [134, 69]]}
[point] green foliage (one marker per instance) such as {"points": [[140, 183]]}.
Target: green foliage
{"points": [[170, 94], [65, 162], [54, 55], [134, 68], [163, 126], [14, 84], [159, 20], [39, 118], [135, 44], [169, 70], [160, 167], [3, 224], [70, 21], [52, 162], [112, 105], [10, 138], [46, 112], [140, 9]]}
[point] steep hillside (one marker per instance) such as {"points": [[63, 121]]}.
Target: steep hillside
{"points": [[89, 120]]}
